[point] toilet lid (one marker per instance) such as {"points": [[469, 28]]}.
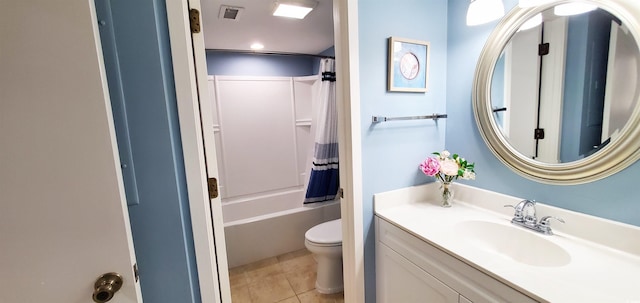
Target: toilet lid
{"points": [[326, 233]]}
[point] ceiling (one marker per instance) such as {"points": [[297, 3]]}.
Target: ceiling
{"points": [[255, 23]]}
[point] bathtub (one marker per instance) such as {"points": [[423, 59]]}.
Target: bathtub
{"points": [[269, 226]]}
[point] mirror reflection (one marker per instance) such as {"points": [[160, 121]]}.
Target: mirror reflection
{"points": [[564, 86]]}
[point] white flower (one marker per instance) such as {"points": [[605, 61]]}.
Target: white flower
{"points": [[445, 154], [449, 167], [468, 175]]}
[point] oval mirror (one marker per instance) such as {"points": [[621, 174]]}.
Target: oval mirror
{"points": [[556, 93]]}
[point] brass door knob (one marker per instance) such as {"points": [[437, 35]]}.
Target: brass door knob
{"points": [[106, 286]]}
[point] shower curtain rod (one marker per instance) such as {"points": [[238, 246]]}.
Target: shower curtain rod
{"points": [[267, 53]]}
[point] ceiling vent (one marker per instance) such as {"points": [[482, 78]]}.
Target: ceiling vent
{"points": [[230, 12]]}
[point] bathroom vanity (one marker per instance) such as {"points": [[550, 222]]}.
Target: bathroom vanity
{"points": [[472, 252]]}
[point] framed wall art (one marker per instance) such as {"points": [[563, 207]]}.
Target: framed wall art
{"points": [[408, 65]]}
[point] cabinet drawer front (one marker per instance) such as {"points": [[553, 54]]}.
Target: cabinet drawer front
{"points": [[463, 278]]}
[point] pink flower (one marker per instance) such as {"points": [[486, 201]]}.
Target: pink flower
{"points": [[430, 166], [449, 167]]}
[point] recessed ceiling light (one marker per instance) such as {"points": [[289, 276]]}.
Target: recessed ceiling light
{"points": [[257, 46], [297, 9]]}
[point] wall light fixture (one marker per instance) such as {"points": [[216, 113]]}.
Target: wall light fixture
{"points": [[484, 11], [573, 8], [531, 3]]}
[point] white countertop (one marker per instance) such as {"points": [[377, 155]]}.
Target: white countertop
{"points": [[604, 263]]}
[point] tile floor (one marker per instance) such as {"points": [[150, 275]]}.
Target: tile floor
{"points": [[288, 278]]}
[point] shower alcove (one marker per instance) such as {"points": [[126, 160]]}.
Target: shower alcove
{"points": [[263, 139]]}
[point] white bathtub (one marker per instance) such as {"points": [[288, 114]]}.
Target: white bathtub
{"points": [[257, 229]]}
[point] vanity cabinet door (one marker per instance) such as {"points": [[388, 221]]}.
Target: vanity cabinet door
{"points": [[399, 280]]}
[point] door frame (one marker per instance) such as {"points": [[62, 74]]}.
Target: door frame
{"points": [[345, 29], [213, 274], [212, 270]]}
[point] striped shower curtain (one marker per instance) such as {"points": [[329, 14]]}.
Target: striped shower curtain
{"points": [[323, 180]]}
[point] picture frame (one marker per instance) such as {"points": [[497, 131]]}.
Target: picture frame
{"points": [[408, 69]]}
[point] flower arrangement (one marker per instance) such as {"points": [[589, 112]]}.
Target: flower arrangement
{"points": [[447, 167]]}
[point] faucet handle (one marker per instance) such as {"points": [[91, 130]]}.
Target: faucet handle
{"points": [[519, 209], [545, 224], [517, 215], [545, 220]]}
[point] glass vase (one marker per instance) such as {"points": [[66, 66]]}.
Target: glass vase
{"points": [[446, 194]]}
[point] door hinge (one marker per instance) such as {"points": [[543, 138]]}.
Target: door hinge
{"points": [[136, 274], [543, 49], [213, 187], [194, 17], [538, 133]]}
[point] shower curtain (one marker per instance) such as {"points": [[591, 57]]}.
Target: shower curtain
{"points": [[323, 180]]}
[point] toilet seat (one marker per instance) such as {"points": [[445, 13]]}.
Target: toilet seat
{"points": [[325, 234]]}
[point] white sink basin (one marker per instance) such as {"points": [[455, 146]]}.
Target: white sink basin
{"points": [[512, 242]]}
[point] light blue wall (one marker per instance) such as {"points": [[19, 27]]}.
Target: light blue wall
{"points": [[331, 52], [391, 151], [138, 63], [238, 64], [614, 198]]}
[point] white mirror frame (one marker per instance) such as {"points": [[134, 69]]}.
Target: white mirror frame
{"points": [[621, 152]]}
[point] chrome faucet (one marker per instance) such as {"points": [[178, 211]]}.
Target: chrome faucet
{"points": [[545, 226], [525, 213], [525, 216]]}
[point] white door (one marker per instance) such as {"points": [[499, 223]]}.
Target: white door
{"points": [[522, 74], [63, 220], [207, 119], [623, 67]]}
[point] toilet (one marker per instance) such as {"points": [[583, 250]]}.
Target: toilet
{"points": [[324, 241]]}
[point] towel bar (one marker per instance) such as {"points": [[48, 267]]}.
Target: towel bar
{"points": [[378, 119]]}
